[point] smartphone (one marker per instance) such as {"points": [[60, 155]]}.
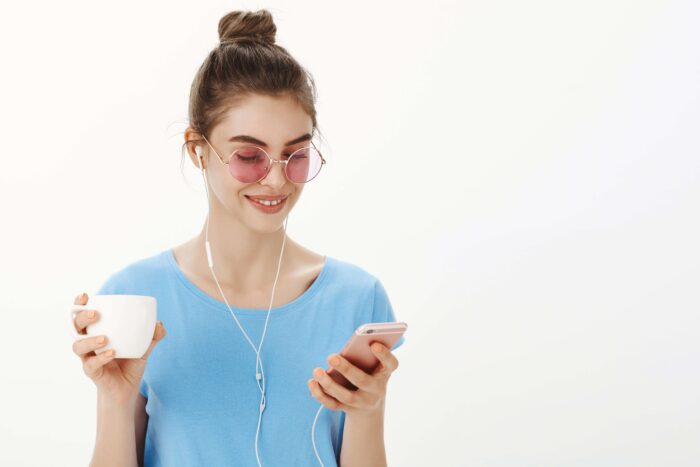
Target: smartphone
{"points": [[357, 350]]}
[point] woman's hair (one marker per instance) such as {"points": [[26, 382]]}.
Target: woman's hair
{"points": [[246, 61]]}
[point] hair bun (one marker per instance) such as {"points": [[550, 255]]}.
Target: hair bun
{"points": [[252, 25]]}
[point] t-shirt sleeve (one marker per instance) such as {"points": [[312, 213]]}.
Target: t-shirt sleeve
{"points": [[383, 311], [114, 285]]}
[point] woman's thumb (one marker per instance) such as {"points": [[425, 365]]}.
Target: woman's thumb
{"points": [[158, 335], [159, 332]]}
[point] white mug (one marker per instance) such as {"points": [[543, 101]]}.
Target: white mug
{"points": [[128, 322]]}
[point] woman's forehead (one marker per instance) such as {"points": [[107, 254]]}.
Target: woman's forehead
{"points": [[274, 120]]}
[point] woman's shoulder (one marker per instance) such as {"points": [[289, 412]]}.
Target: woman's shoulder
{"points": [[130, 274], [349, 273], [355, 282]]}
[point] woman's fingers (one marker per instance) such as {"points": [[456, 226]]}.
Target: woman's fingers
{"points": [[353, 374], [84, 317], [81, 299], [322, 397], [389, 363], [93, 365], [158, 335], [334, 389], [83, 346]]}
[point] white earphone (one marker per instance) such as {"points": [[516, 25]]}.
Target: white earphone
{"points": [[198, 152], [259, 372]]}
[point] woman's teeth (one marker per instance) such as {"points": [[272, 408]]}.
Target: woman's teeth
{"points": [[268, 203]]}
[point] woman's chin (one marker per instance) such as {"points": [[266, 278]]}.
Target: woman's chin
{"points": [[266, 224]]}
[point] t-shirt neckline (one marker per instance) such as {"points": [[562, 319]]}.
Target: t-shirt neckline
{"points": [[297, 303]]}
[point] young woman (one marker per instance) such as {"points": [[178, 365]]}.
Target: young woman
{"points": [[253, 318]]}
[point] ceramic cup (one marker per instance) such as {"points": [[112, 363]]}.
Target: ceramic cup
{"points": [[128, 322]]}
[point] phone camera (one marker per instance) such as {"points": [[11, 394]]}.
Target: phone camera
{"points": [[370, 331]]}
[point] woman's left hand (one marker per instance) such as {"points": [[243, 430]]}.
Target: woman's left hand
{"points": [[371, 388]]}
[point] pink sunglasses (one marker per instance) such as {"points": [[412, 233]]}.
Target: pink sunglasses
{"points": [[251, 164]]}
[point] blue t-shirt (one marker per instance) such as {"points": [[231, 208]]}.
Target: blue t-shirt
{"points": [[202, 396]]}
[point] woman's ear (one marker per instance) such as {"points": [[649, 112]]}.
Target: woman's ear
{"points": [[194, 148], [198, 153]]}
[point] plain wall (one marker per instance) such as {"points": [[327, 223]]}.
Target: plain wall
{"points": [[522, 177]]}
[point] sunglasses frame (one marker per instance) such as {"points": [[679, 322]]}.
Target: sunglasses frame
{"points": [[272, 161]]}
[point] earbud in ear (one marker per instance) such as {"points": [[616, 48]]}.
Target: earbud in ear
{"points": [[198, 152]]}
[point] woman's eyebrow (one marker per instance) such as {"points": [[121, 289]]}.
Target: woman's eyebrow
{"points": [[250, 139]]}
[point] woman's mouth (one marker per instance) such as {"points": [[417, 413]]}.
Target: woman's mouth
{"points": [[268, 206]]}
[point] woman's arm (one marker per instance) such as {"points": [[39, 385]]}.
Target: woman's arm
{"points": [[141, 419], [363, 433], [363, 440], [116, 440]]}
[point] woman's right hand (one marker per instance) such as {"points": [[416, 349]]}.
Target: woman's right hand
{"points": [[117, 379]]}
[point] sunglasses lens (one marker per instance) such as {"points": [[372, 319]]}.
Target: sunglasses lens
{"points": [[303, 165], [249, 164]]}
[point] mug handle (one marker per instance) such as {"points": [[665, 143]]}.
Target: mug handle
{"points": [[73, 310]]}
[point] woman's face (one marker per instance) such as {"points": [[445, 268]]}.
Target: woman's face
{"points": [[270, 123]]}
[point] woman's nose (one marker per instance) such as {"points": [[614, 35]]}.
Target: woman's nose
{"points": [[275, 178]]}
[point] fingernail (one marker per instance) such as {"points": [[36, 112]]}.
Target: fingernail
{"points": [[334, 360], [109, 353], [91, 314], [82, 295], [100, 340]]}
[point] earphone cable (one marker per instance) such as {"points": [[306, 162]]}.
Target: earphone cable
{"points": [[259, 375], [313, 435]]}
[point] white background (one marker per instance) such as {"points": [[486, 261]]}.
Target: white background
{"points": [[522, 177]]}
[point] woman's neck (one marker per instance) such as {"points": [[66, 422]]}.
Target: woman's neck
{"points": [[243, 259]]}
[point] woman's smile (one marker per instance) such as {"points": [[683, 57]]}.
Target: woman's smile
{"points": [[268, 204]]}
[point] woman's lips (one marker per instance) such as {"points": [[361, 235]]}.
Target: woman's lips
{"points": [[268, 209]]}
